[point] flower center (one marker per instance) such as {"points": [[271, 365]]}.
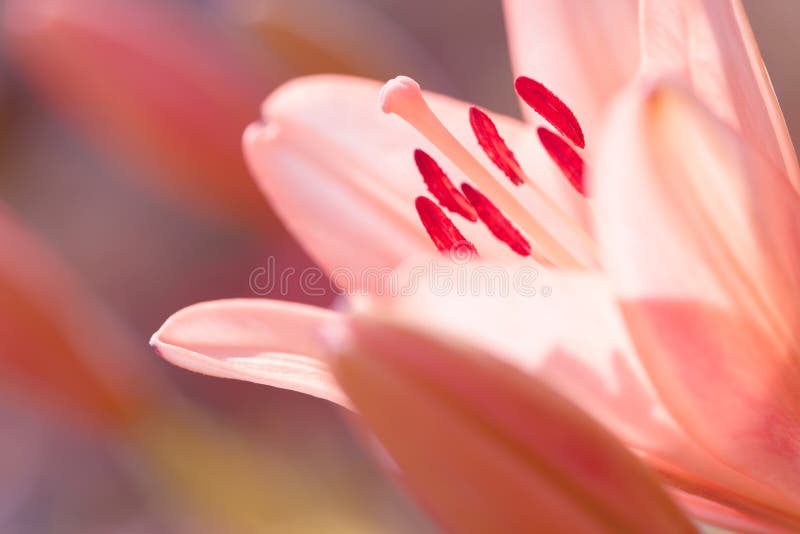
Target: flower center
{"points": [[486, 199]]}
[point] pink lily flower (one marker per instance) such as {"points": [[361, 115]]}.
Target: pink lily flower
{"points": [[669, 245]]}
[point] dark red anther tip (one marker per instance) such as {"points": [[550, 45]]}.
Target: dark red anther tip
{"points": [[567, 159], [497, 223], [442, 188], [494, 146], [551, 108], [441, 229]]}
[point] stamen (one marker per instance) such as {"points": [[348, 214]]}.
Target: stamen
{"points": [[484, 128], [403, 97], [442, 188], [565, 157], [497, 223], [494, 145], [441, 230], [551, 108]]}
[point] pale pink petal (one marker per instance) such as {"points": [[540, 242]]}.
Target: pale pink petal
{"points": [[699, 235], [566, 330], [341, 173], [263, 341], [582, 50], [531, 316], [711, 44], [720, 219], [487, 449]]}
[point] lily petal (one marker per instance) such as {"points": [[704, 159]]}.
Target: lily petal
{"points": [[698, 233], [263, 341], [567, 330], [710, 43], [530, 316], [488, 449], [341, 174], [724, 219], [582, 51]]}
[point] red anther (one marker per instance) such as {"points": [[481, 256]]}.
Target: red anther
{"points": [[566, 158], [551, 108], [494, 145], [442, 188], [441, 230], [496, 221]]}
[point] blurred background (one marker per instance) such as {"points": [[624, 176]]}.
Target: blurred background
{"points": [[123, 198]]}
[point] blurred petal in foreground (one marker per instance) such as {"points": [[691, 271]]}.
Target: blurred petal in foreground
{"points": [[157, 82], [56, 345]]}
